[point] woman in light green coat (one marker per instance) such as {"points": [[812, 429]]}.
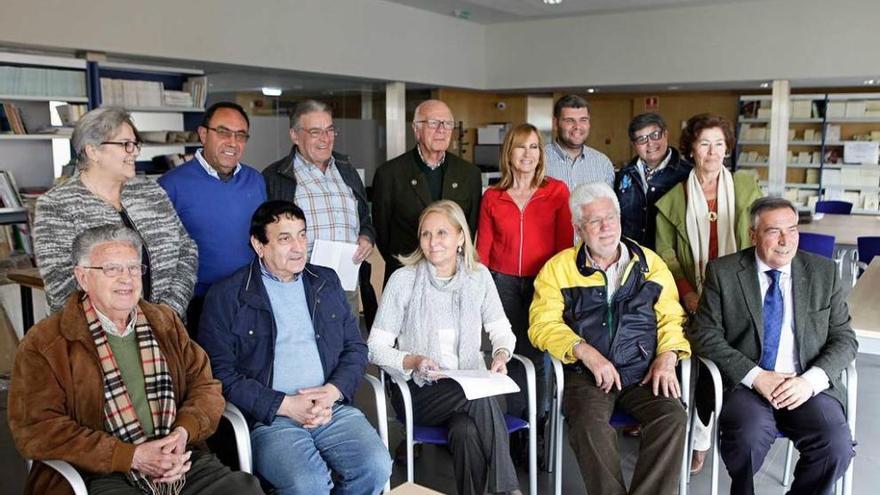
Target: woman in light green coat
{"points": [[700, 219]]}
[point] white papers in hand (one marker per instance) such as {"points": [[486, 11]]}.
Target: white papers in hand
{"points": [[337, 255], [479, 383]]}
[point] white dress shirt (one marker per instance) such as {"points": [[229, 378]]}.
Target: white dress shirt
{"points": [[787, 355]]}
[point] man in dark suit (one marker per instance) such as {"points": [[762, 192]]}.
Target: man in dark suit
{"points": [[405, 185], [775, 322]]}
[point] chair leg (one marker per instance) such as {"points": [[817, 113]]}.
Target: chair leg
{"points": [[789, 453]]}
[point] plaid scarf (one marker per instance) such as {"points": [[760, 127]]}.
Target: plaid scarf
{"points": [[119, 414]]}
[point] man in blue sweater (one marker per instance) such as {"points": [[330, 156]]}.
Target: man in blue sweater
{"points": [[289, 354], [215, 196]]}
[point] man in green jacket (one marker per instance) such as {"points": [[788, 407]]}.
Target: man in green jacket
{"points": [[405, 185]]}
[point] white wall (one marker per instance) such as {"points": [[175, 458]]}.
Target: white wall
{"points": [[742, 41], [363, 38]]}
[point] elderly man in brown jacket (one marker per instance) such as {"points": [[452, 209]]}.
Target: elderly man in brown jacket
{"points": [[113, 385]]}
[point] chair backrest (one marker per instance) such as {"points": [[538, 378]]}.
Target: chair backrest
{"points": [[868, 248], [834, 207], [820, 244]]}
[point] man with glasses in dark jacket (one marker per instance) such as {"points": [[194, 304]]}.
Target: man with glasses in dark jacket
{"points": [[651, 173]]}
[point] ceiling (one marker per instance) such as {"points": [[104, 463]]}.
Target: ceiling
{"points": [[497, 11]]}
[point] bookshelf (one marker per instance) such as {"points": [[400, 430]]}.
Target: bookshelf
{"points": [[822, 129], [33, 87], [164, 102]]}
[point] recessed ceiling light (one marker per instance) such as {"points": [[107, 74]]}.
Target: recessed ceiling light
{"points": [[461, 14], [552, 2], [765, 85], [869, 82], [673, 88], [591, 90], [271, 91]]}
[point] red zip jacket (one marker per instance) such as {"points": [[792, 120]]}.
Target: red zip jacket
{"points": [[518, 243]]}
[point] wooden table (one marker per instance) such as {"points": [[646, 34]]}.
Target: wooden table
{"points": [[27, 279], [865, 310], [845, 228]]}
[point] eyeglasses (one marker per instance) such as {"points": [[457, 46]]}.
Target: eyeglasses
{"points": [[594, 223], [316, 132], [128, 146], [230, 134], [114, 270], [434, 123], [654, 136]]}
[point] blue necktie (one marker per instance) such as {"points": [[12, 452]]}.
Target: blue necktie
{"points": [[772, 321]]}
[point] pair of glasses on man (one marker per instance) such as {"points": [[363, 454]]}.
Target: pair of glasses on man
{"points": [[128, 146], [114, 270], [434, 123], [316, 132], [230, 134], [654, 136]]}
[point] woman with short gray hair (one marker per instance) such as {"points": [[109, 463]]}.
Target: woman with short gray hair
{"points": [[106, 190]]}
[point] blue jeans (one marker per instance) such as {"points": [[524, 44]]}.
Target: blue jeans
{"points": [[296, 460]]}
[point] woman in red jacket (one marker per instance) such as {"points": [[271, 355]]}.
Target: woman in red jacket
{"points": [[524, 220]]}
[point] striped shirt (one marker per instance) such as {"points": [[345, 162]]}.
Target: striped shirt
{"points": [[327, 201], [590, 166]]}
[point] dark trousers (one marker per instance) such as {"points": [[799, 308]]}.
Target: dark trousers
{"points": [[478, 435], [193, 315], [663, 423], [818, 428], [516, 296], [206, 476]]}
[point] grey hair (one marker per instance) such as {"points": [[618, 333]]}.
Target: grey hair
{"points": [[307, 106], [86, 241], [768, 203], [585, 194], [97, 126]]}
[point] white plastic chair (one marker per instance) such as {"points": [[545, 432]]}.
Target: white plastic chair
{"points": [[401, 384], [231, 413], [850, 381], [558, 419]]}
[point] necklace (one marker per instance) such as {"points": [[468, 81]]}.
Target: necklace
{"points": [[713, 216]]}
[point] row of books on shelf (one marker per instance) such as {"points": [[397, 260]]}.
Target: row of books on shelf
{"points": [[10, 120], [138, 93], [33, 81], [799, 109], [15, 237], [814, 109], [853, 109], [170, 137], [867, 201]]}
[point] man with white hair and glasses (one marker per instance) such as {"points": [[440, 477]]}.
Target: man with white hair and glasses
{"points": [[608, 309]]}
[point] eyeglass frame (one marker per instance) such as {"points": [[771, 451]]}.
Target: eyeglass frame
{"points": [[318, 133], [128, 146], [643, 139], [225, 133], [594, 223], [437, 123], [111, 266]]}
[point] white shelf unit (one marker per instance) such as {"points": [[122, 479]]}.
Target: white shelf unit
{"points": [[35, 159], [852, 117], [858, 118]]}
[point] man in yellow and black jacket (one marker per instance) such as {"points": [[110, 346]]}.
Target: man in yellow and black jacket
{"points": [[608, 310]]}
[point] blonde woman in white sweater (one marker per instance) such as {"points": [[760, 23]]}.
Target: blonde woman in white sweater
{"points": [[435, 308]]}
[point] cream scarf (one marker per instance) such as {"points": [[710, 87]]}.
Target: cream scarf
{"points": [[697, 222]]}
